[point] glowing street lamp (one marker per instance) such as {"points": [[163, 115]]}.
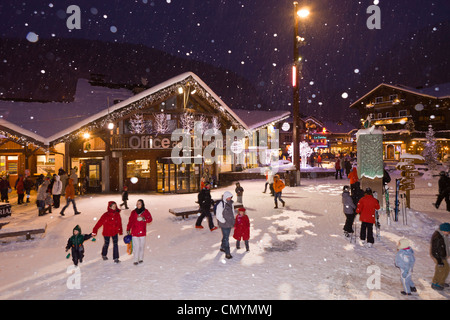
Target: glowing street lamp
{"points": [[296, 69]]}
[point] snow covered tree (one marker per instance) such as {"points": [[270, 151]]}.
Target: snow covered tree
{"points": [[430, 152]]}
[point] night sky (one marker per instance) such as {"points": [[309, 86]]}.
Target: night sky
{"points": [[253, 38]]}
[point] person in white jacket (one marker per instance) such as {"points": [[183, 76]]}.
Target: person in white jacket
{"points": [[225, 216], [56, 191]]}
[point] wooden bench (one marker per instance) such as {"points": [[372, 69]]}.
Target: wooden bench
{"points": [[26, 233], [187, 211]]}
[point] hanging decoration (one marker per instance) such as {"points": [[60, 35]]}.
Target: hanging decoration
{"points": [[187, 121], [161, 123], [148, 101], [137, 124]]}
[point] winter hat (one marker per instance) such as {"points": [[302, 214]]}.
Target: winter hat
{"points": [[445, 227], [403, 244], [241, 209]]}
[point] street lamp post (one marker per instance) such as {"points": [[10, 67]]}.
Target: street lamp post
{"points": [[303, 13]]}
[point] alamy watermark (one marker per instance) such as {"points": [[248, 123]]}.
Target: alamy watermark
{"points": [[374, 280], [237, 147]]}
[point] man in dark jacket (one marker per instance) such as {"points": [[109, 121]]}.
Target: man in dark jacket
{"points": [[440, 251], [205, 201], [444, 190]]}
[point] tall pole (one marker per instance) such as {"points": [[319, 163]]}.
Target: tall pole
{"points": [[296, 89]]}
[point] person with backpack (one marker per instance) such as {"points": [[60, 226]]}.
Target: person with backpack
{"points": [[225, 217], [205, 201]]}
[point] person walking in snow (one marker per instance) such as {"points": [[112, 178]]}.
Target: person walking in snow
{"points": [[349, 211], [278, 187], [124, 197], [366, 209], [242, 229], [225, 216], [353, 177], [112, 228], [440, 250], [205, 202], [444, 190], [4, 189], [70, 198], [239, 192], [42, 197], [404, 260], [75, 243], [319, 161], [56, 192], [137, 228], [337, 167], [28, 185], [20, 189]]}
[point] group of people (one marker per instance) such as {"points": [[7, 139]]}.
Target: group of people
{"points": [[111, 222], [276, 186], [23, 186], [342, 164], [224, 211], [355, 201]]}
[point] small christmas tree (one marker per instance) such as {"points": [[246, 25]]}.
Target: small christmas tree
{"points": [[430, 152]]}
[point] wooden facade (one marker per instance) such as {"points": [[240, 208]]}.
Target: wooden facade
{"points": [[404, 114], [130, 143]]}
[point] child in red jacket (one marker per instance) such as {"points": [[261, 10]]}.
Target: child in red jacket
{"points": [[366, 209], [112, 228], [242, 229]]}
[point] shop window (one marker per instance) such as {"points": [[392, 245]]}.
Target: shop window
{"points": [[45, 164], [138, 169], [2, 164], [402, 113]]}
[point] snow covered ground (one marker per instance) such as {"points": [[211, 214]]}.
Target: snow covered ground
{"points": [[296, 252]]}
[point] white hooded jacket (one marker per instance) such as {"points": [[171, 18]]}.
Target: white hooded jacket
{"points": [[220, 208], [57, 186]]}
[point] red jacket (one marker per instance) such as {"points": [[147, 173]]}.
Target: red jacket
{"points": [[139, 228], [241, 227], [337, 164], [353, 176], [111, 222], [366, 208]]}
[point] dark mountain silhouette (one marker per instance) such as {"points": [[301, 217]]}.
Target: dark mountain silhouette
{"points": [[48, 70]]}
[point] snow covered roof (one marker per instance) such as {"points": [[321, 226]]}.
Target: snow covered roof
{"points": [[440, 91], [257, 118], [7, 128], [47, 119], [54, 120]]}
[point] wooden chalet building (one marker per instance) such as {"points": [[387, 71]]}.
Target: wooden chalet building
{"points": [[404, 114], [121, 139]]}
